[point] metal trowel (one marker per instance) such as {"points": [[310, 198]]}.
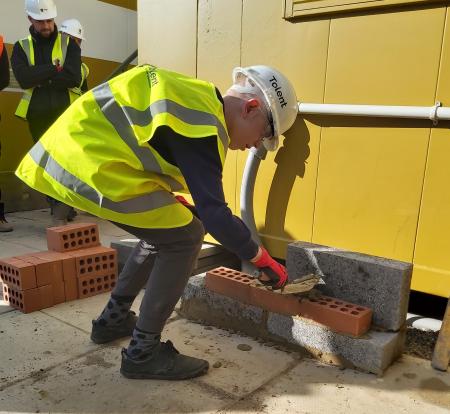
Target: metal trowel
{"points": [[303, 284]]}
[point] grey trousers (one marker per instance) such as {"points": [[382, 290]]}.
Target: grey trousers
{"points": [[162, 261]]}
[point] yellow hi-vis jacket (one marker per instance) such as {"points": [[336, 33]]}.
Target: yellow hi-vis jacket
{"points": [[97, 157], [75, 93], [59, 52]]}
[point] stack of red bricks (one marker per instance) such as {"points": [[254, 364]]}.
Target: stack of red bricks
{"points": [[338, 315], [75, 266]]}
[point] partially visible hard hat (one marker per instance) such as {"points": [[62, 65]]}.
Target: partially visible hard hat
{"points": [[72, 27], [278, 93], [40, 9]]}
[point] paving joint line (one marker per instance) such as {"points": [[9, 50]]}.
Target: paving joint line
{"points": [[249, 395]]}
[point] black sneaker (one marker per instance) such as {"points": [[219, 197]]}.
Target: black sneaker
{"points": [[163, 363], [102, 334]]}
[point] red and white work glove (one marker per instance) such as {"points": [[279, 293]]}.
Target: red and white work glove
{"points": [[273, 273], [187, 204]]}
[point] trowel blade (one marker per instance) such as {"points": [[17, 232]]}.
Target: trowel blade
{"points": [[301, 285]]}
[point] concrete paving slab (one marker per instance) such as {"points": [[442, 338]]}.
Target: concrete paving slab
{"points": [[409, 386], [10, 248], [238, 365], [93, 384], [35, 341], [4, 307], [79, 313]]}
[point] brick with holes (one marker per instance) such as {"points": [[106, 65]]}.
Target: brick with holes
{"points": [[29, 300], [274, 302], [95, 283], [72, 237], [69, 273], [230, 283], [17, 273], [94, 260], [339, 315]]}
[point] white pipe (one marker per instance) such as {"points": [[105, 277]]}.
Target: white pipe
{"points": [[434, 113], [422, 323], [255, 156]]}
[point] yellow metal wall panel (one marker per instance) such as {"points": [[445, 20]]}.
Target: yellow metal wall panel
{"points": [[167, 34], [285, 186], [219, 40], [219, 51], [385, 59], [371, 172], [431, 257], [369, 187]]}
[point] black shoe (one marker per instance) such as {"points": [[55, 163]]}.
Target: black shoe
{"points": [[163, 363], [102, 334]]}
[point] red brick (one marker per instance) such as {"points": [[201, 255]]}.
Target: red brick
{"points": [[274, 302], [48, 270], [230, 283], [69, 272], [339, 315], [29, 300], [95, 259], [70, 278], [94, 284], [72, 237], [18, 274]]}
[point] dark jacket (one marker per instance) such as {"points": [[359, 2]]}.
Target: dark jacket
{"points": [[50, 96], [4, 69]]}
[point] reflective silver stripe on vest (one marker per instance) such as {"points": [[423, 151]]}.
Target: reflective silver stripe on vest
{"points": [[139, 204], [187, 115], [26, 49], [64, 44], [120, 121]]}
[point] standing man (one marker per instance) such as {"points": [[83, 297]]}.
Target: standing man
{"points": [[46, 64], [122, 149], [74, 29], [4, 82]]}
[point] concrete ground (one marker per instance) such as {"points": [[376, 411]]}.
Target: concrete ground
{"points": [[48, 364]]}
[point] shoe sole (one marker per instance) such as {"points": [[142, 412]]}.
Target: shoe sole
{"points": [[140, 375]]}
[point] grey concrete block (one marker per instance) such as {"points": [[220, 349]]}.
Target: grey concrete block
{"points": [[196, 289], [379, 283], [199, 303], [372, 353]]}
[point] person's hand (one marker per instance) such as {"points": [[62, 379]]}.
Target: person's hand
{"points": [[58, 66], [273, 273]]}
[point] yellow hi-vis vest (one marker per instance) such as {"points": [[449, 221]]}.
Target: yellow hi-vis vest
{"points": [[59, 52], [75, 93], [97, 157]]}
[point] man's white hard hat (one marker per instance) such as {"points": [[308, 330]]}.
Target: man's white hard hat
{"points": [[278, 95], [41, 9], [72, 27]]}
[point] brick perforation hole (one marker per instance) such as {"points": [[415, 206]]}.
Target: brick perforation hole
{"points": [[96, 263], [339, 305]]}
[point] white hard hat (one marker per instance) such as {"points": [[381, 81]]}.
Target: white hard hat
{"points": [[72, 27], [278, 93], [40, 9]]}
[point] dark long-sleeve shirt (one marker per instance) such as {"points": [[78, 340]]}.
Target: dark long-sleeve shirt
{"points": [[50, 96], [199, 162], [4, 69]]}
